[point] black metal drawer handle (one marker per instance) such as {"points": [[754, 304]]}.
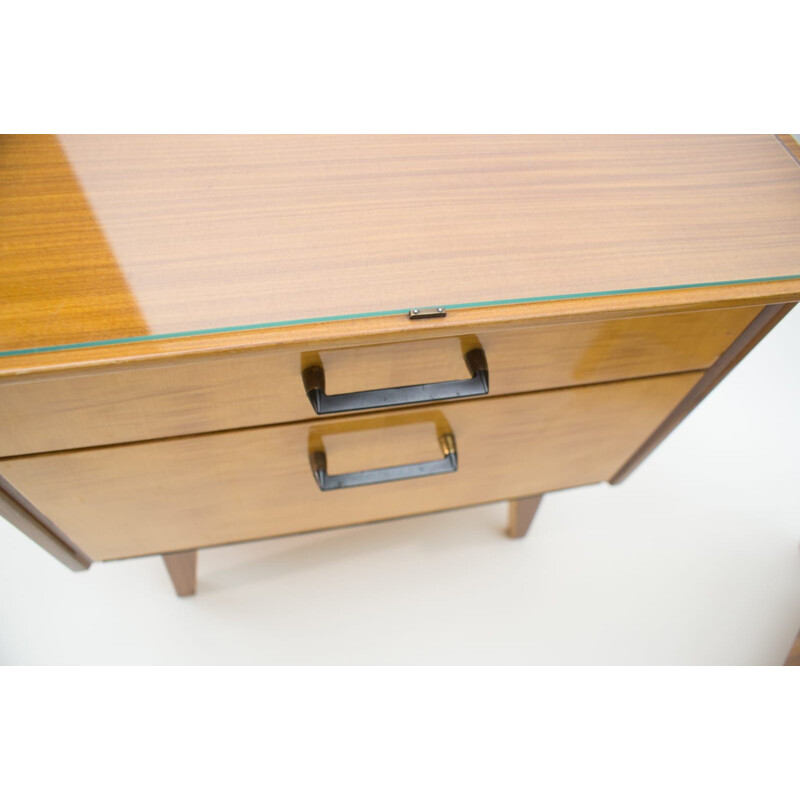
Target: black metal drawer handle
{"points": [[314, 382], [326, 482]]}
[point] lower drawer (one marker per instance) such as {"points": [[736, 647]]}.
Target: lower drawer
{"points": [[197, 491]]}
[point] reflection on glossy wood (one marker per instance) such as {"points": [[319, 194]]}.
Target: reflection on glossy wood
{"points": [[58, 275], [155, 235], [384, 330], [521, 513], [198, 491], [196, 395], [182, 568], [223, 231]]}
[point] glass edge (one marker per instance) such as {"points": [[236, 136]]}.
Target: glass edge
{"points": [[155, 337]]}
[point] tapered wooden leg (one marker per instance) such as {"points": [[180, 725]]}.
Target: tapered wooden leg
{"points": [[182, 568], [521, 513]]}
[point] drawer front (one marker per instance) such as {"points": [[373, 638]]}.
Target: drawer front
{"points": [[222, 392], [197, 491]]}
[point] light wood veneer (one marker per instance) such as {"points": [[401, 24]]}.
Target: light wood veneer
{"points": [[191, 492], [177, 397], [147, 406], [108, 236]]}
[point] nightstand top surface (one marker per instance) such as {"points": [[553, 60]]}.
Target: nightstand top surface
{"points": [[113, 239]]}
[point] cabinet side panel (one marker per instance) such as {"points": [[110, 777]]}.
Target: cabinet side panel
{"points": [[42, 531], [769, 317]]}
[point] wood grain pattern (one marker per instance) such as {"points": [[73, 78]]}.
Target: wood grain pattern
{"points": [[386, 330], [40, 530], [54, 254], [521, 512], [766, 320], [211, 231], [195, 395], [198, 491], [182, 568]]}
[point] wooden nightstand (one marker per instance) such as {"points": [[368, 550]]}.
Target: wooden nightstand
{"points": [[215, 339]]}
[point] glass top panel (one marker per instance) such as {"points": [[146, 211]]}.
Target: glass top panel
{"points": [[105, 239]]}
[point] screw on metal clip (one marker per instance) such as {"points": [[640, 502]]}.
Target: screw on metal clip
{"points": [[427, 313]]}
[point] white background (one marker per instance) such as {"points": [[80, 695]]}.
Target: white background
{"points": [[693, 560]]}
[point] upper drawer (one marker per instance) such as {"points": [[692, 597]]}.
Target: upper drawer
{"points": [[262, 387]]}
